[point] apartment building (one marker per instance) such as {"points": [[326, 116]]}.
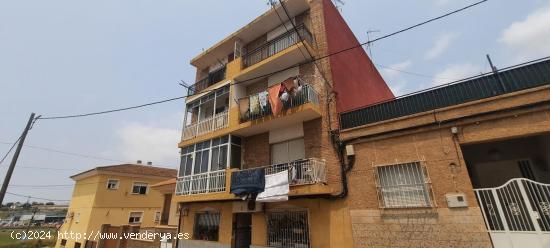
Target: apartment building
{"points": [[461, 165], [114, 195], [257, 106]]}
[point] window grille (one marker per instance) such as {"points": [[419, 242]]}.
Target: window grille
{"points": [[288, 228], [404, 185], [207, 226]]}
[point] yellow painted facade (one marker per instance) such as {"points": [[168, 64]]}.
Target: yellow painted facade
{"points": [[93, 205]]}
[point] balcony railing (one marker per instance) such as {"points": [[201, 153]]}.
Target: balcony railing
{"points": [[516, 78], [211, 79], [218, 121], [208, 182], [300, 172], [308, 94], [276, 45]]}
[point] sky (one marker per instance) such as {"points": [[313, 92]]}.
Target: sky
{"points": [[71, 57]]}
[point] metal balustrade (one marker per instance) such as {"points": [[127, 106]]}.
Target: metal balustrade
{"points": [[516, 78], [208, 182], [211, 79], [277, 45], [307, 95], [218, 121], [300, 172]]}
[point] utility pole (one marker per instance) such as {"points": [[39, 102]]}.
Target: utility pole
{"points": [[14, 159], [495, 72]]}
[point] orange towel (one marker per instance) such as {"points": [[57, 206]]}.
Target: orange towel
{"points": [[274, 101]]}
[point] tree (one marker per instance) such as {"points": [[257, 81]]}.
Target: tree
{"points": [[50, 203]]}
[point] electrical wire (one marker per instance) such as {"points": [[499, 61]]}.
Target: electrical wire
{"points": [[11, 148], [37, 198], [271, 73], [413, 73], [70, 153]]}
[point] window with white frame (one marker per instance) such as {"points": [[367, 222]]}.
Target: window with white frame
{"points": [[135, 217], [112, 184], [157, 217], [139, 188], [404, 185], [210, 155]]}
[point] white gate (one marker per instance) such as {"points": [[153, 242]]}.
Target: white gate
{"points": [[517, 214]]}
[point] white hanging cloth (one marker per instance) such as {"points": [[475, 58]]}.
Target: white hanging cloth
{"points": [[276, 188]]}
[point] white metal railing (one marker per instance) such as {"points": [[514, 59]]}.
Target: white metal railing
{"points": [[207, 125], [300, 172], [208, 182]]}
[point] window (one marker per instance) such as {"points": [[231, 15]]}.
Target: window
{"points": [[207, 226], [403, 185], [157, 217], [89, 244], [76, 245], [112, 184], [135, 217], [139, 188], [288, 228], [210, 155], [287, 151], [63, 243]]}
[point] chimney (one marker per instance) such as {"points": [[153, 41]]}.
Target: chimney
{"points": [[138, 162], [149, 163]]}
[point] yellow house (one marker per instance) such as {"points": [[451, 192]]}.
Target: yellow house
{"points": [[116, 195]]}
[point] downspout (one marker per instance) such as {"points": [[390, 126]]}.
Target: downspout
{"points": [[179, 224]]}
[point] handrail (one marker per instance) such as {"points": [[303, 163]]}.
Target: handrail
{"points": [[211, 79], [279, 43]]}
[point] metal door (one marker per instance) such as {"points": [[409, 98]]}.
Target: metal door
{"points": [[517, 214]]}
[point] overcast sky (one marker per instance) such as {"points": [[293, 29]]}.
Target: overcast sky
{"points": [[69, 57]]}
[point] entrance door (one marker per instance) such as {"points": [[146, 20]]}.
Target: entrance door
{"points": [[517, 214], [242, 230]]}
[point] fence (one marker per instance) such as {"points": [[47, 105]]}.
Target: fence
{"points": [[208, 182]]}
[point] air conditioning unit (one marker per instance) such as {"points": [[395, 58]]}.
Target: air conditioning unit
{"points": [[243, 207], [456, 200]]}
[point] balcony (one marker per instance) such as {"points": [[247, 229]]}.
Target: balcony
{"points": [[301, 172], [508, 80], [211, 79], [208, 182], [215, 185], [307, 95], [277, 45], [207, 125]]}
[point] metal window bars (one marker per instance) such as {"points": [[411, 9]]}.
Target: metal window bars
{"points": [[277, 45], [405, 185], [288, 228]]}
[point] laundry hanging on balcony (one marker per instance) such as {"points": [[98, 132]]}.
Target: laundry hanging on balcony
{"points": [[274, 100], [276, 188], [254, 105], [262, 96], [248, 182], [244, 108]]}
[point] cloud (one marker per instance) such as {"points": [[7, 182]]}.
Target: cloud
{"points": [[529, 38], [392, 71], [457, 71], [441, 44], [150, 142]]}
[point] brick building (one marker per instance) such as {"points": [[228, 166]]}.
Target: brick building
{"points": [[365, 169], [229, 129]]}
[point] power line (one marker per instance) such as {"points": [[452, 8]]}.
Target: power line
{"points": [[412, 73], [109, 111], [11, 148], [271, 73], [70, 153], [37, 198]]}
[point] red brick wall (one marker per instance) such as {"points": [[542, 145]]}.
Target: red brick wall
{"points": [[256, 151]]}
